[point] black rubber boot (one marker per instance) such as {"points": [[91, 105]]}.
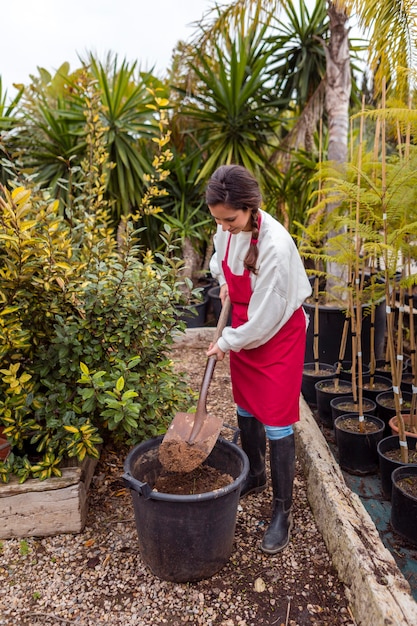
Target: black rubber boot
{"points": [[252, 438], [282, 459]]}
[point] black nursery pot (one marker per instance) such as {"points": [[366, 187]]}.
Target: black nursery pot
{"points": [[185, 538], [331, 323], [310, 378], [386, 412], [387, 465], [358, 451], [325, 393], [404, 505], [382, 383], [194, 315]]}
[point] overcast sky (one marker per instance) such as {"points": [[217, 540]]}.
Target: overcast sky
{"points": [[46, 33]]}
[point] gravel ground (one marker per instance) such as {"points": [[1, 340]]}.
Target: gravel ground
{"points": [[98, 577]]}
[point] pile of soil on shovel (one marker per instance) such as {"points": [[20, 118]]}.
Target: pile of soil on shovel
{"points": [[202, 479]]}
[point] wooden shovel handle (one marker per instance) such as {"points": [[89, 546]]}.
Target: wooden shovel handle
{"points": [[201, 411], [222, 321]]}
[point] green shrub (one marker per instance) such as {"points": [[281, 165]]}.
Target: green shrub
{"points": [[85, 324]]}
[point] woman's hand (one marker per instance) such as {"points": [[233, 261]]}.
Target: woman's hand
{"points": [[215, 350]]}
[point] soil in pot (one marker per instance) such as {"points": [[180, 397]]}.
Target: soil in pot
{"points": [[383, 368], [395, 455], [357, 449], [375, 385], [345, 372], [201, 480], [409, 485], [313, 372], [343, 405], [385, 403], [351, 424]]}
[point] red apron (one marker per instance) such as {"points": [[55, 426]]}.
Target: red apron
{"points": [[266, 381]]}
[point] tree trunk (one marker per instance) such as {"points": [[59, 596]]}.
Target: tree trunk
{"points": [[337, 96], [338, 85], [191, 263]]}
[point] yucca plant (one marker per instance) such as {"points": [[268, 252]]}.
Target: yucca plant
{"points": [[230, 107]]}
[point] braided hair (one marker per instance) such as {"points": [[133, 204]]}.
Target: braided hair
{"points": [[235, 187]]}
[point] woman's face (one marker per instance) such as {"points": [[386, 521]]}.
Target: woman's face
{"points": [[231, 220]]}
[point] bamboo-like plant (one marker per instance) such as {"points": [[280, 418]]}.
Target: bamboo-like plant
{"points": [[380, 236]]}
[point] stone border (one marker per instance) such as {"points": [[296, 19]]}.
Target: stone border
{"points": [[377, 591], [38, 508]]}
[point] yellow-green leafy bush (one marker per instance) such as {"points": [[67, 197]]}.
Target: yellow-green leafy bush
{"points": [[85, 323]]}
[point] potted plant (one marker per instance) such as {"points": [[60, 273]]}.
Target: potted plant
{"points": [[315, 368], [369, 233], [348, 305]]}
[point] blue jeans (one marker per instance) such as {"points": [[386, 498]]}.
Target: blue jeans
{"points": [[272, 432]]}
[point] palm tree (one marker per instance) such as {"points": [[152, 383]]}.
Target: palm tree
{"points": [[49, 136], [229, 106], [392, 30], [237, 100], [50, 142]]}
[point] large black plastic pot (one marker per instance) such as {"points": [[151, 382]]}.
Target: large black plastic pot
{"points": [[404, 505], [331, 322], [194, 315], [311, 377], [358, 451], [325, 392], [185, 538], [342, 405], [216, 304], [387, 465]]}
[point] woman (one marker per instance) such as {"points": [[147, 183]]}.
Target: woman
{"points": [[257, 264]]}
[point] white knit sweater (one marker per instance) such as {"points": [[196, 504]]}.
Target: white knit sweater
{"points": [[279, 288]]}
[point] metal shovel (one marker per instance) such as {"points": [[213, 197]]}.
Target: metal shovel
{"points": [[191, 436]]}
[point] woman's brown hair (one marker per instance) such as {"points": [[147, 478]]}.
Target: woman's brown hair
{"points": [[235, 187]]}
